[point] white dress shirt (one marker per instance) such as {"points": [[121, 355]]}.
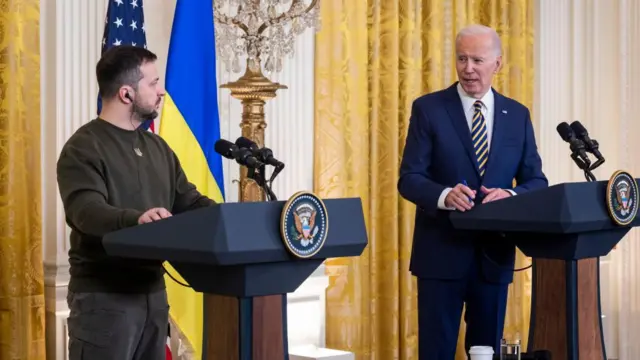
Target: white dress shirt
{"points": [[488, 111]]}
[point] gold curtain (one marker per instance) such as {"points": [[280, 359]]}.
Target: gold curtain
{"points": [[21, 272], [373, 58]]}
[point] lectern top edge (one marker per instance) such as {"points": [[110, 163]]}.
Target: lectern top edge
{"points": [[239, 234]]}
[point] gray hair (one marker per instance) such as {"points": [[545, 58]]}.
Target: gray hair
{"points": [[477, 29]]}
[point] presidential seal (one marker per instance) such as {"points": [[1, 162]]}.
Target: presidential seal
{"points": [[622, 198], [304, 224]]}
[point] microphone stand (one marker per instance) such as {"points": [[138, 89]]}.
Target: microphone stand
{"points": [[584, 166], [597, 163], [260, 178], [591, 147]]}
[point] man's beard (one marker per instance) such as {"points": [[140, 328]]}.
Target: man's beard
{"points": [[142, 114]]}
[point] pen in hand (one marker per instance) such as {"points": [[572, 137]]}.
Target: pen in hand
{"points": [[464, 182]]}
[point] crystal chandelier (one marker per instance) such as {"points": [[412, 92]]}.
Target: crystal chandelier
{"points": [[262, 30]]}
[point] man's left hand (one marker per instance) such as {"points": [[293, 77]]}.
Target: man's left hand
{"points": [[493, 194]]}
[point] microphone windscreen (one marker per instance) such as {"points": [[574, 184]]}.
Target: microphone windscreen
{"points": [[243, 142], [225, 148], [565, 131], [577, 127]]}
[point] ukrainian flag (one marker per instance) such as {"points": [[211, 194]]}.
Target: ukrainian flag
{"points": [[190, 125]]}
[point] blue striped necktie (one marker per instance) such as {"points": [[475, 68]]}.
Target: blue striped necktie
{"points": [[479, 137]]}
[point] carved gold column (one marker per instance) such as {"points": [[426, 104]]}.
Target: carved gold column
{"points": [[252, 89]]}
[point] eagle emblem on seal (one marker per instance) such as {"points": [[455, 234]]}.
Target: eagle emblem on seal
{"points": [[624, 202], [305, 223], [622, 198]]}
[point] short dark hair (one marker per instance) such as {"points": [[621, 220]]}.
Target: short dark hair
{"points": [[120, 65]]}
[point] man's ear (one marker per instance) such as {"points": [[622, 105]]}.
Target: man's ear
{"points": [[498, 64], [125, 95]]}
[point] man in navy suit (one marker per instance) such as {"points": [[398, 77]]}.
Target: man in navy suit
{"points": [[465, 146]]}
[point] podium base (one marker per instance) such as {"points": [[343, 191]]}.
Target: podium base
{"points": [[565, 315], [252, 328]]}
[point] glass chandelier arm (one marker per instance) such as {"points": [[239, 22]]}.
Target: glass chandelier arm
{"points": [[224, 19], [290, 14]]}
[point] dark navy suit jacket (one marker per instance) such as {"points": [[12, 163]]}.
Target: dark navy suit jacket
{"points": [[439, 154]]}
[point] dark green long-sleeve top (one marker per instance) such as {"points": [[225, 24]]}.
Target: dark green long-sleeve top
{"points": [[108, 177]]}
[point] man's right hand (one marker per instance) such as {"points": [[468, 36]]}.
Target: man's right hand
{"points": [[458, 198], [154, 214]]}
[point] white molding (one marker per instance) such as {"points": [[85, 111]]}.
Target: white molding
{"points": [[56, 275], [57, 338], [68, 53], [305, 306], [318, 353]]}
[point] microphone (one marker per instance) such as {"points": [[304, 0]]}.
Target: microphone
{"points": [[265, 154], [241, 155], [576, 145], [591, 144], [578, 153]]}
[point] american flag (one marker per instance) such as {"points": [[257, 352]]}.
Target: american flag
{"points": [[124, 25]]}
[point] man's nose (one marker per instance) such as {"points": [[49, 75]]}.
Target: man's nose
{"points": [[468, 67]]}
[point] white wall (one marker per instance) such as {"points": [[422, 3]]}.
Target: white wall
{"points": [[71, 33]]}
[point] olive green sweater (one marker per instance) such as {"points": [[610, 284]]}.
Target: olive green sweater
{"points": [[108, 177]]}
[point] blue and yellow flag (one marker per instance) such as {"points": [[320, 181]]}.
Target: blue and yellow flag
{"points": [[191, 126]]}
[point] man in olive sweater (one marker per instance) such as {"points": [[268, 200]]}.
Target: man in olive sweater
{"points": [[111, 175]]}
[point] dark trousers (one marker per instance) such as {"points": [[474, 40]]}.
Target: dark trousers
{"points": [[440, 304], [117, 326]]}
